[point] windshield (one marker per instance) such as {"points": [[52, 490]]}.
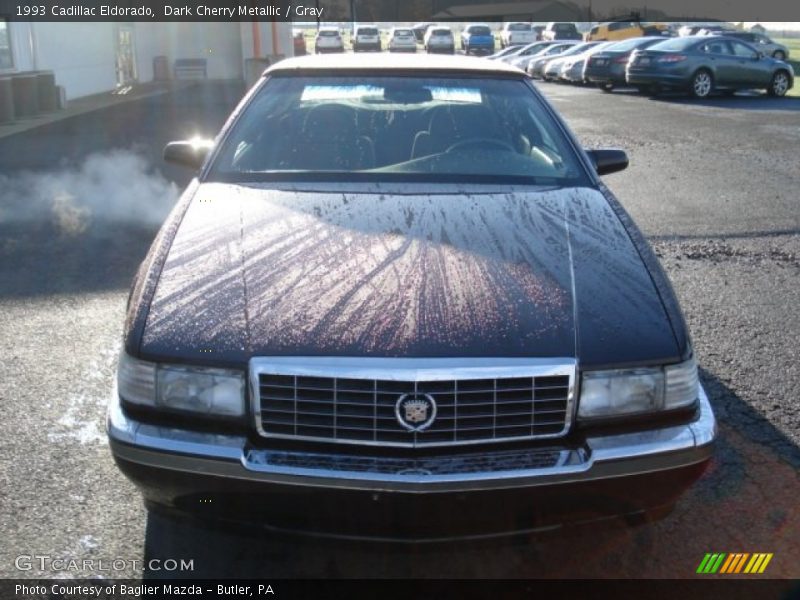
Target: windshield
{"points": [[576, 49], [390, 128], [328, 33], [632, 43], [534, 48], [674, 44], [518, 27], [479, 30], [440, 32], [367, 31], [564, 27], [555, 49]]}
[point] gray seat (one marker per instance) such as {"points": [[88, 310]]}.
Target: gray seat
{"points": [[450, 125], [330, 141]]}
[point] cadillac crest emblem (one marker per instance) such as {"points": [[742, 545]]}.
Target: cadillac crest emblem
{"points": [[415, 412]]}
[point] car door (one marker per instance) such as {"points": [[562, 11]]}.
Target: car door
{"points": [[750, 70], [721, 60]]}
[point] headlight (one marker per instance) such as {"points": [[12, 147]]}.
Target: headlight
{"points": [[637, 391], [195, 389]]}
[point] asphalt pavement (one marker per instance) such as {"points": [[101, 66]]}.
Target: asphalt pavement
{"points": [[713, 184]]}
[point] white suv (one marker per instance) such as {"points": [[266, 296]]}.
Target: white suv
{"points": [[328, 40], [367, 37], [515, 34], [402, 39], [439, 39]]}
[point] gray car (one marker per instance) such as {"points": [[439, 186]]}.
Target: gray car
{"points": [[607, 68], [703, 64], [760, 42]]}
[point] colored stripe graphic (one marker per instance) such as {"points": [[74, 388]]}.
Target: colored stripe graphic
{"points": [[734, 563], [711, 563], [703, 563], [727, 564], [764, 564]]}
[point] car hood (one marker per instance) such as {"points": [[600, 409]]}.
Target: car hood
{"points": [[531, 273]]}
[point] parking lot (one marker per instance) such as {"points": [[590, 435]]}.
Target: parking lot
{"points": [[713, 184]]}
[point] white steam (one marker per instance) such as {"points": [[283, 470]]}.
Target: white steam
{"points": [[115, 186]]}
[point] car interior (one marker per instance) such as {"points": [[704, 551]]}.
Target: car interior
{"points": [[405, 125]]}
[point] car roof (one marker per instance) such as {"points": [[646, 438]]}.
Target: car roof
{"points": [[381, 62]]}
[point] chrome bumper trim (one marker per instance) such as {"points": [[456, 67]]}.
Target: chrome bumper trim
{"points": [[232, 456]]}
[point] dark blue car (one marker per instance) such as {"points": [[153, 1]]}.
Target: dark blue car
{"points": [[477, 39]]}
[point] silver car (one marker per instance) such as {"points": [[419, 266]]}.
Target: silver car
{"points": [[535, 64], [439, 39], [761, 42]]}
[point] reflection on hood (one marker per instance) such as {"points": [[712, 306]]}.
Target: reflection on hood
{"points": [[255, 271]]}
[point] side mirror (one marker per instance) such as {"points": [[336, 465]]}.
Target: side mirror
{"points": [[608, 160], [191, 153], [759, 55]]}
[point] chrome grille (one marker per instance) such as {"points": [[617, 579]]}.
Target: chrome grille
{"points": [[471, 408]]}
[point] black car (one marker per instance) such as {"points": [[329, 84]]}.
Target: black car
{"points": [[607, 67], [420, 29], [441, 323]]}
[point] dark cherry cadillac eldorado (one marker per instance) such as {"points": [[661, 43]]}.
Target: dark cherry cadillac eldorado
{"points": [[398, 302]]}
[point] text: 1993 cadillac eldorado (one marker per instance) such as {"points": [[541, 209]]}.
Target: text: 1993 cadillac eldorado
{"points": [[398, 302]]}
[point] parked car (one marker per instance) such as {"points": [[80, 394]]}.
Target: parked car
{"points": [[607, 68], [402, 39], [534, 64], [368, 38], [759, 41], [361, 332], [715, 29], [703, 64], [687, 30], [570, 68], [299, 42], [560, 32], [420, 29], [328, 39], [536, 67], [622, 30], [522, 56], [516, 34], [439, 39], [477, 39], [508, 51]]}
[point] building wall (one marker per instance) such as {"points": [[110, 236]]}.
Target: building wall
{"points": [[84, 55], [81, 54]]}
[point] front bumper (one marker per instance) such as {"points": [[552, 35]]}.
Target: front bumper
{"points": [[478, 50], [603, 476]]}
